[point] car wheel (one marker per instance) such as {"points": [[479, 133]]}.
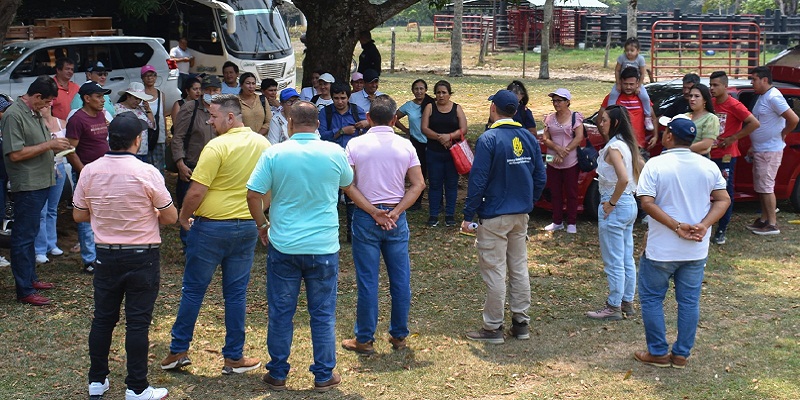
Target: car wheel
{"points": [[591, 201], [795, 198]]}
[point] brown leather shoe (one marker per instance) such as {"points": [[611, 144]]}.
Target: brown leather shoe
{"points": [[35, 299], [39, 285], [358, 347], [330, 383], [240, 366], [274, 384], [398, 344], [678, 362], [656, 361]]}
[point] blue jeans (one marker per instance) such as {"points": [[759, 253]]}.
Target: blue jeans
{"points": [[132, 275], [284, 274], [729, 180], [46, 239], [443, 178], [156, 157], [28, 209], [654, 279], [230, 244], [85, 234], [369, 242], [616, 247]]}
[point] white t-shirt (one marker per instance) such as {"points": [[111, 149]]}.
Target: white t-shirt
{"points": [[768, 110], [681, 183], [321, 103], [177, 52], [607, 175]]}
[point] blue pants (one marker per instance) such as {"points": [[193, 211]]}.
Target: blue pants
{"points": [[46, 239], [728, 169], [654, 279], [616, 247], [443, 178], [230, 244], [85, 234], [132, 275], [369, 243], [27, 212], [284, 274]]}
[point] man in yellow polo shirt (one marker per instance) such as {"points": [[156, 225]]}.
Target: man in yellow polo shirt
{"points": [[221, 233]]}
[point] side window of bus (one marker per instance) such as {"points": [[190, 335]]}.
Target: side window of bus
{"points": [[200, 27]]}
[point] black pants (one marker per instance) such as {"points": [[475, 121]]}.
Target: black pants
{"points": [[423, 162], [135, 276]]}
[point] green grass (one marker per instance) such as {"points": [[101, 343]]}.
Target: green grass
{"points": [[748, 345]]}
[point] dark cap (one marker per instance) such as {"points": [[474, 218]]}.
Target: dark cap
{"points": [[371, 75], [97, 66], [126, 125], [506, 101], [92, 88], [211, 81], [683, 128]]}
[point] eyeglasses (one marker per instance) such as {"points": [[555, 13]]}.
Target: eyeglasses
{"points": [[291, 102]]}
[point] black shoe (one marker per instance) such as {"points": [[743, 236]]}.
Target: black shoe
{"points": [[88, 268], [449, 221], [519, 330], [433, 221]]}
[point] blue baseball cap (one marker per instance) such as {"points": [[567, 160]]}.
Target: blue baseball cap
{"points": [[682, 127], [288, 93], [506, 101]]}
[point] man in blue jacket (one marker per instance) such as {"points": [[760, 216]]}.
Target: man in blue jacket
{"points": [[507, 177]]}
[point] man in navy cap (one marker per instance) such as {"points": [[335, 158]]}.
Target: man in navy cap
{"points": [[279, 126], [674, 189], [125, 200], [507, 177]]}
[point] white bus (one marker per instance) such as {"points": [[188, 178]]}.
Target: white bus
{"points": [[250, 33]]}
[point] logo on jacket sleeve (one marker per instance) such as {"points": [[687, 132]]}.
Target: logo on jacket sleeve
{"points": [[517, 144]]}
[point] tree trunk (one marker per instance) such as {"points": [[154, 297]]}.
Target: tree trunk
{"points": [[544, 68], [333, 28], [8, 10], [632, 25], [455, 39]]}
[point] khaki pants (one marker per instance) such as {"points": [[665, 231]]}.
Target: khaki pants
{"points": [[502, 249]]}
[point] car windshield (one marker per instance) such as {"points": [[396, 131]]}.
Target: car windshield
{"points": [[9, 54], [259, 29], [663, 96]]}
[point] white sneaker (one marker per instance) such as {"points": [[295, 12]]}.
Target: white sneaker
{"points": [[571, 228], [648, 124], [150, 393], [553, 227], [42, 259], [56, 252], [97, 388], [4, 262]]}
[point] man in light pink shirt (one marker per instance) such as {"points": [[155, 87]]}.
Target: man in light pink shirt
{"points": [[381, 161], [125, 200]]}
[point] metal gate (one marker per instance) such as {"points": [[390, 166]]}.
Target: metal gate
{"points": [[681, 47]]}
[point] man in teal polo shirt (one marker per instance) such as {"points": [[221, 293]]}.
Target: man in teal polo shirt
{"points": [[299, 181]]}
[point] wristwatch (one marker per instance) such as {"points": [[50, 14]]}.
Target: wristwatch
{"points": [[264, 225]]}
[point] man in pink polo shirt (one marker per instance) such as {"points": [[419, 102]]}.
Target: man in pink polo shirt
{"points": [[381, 161], [125, 200]]}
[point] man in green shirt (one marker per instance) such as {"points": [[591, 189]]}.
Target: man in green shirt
{"points": [[28, 151]]}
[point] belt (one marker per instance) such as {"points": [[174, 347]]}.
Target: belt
{"points": [[127, 246], [379, 205], [224, 220]]}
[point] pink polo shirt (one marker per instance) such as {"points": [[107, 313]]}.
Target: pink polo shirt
{"points": [[122, 194], [381, 159]]}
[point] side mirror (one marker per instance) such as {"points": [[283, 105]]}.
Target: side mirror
{"points": [[213, 37]]}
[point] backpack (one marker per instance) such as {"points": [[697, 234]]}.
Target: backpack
{"points": [[587, 156]]}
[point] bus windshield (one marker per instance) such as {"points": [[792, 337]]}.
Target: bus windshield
{"points": [[259, 29]]}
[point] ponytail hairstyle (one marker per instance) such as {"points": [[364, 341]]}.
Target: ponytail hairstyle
{"points": [[620, 125]]}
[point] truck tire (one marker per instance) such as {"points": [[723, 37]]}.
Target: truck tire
{"points": [[591, 200], [795, 197]]}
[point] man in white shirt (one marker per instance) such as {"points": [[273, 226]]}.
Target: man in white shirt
{"points": [[363, 98], [279, 125], [674, 189], [183, 57], [777, 119]]}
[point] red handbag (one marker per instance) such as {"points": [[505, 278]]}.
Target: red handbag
{"points": [[462, 156]]}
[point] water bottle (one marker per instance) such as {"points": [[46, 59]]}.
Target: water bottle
{"points": [[726, 173]]}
